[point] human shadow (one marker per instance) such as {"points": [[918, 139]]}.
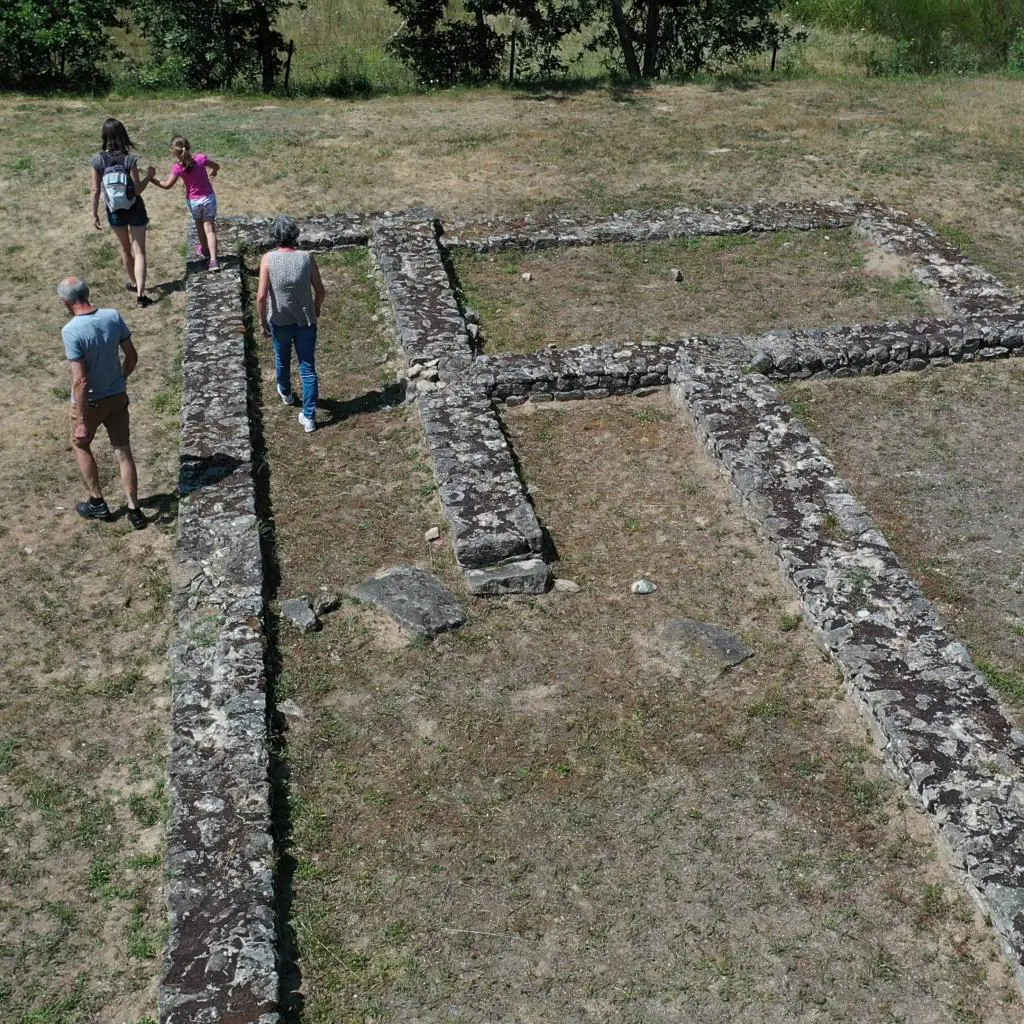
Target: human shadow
{"points": [[373, 401], [166, 288], [205, 470], [164, 507]]}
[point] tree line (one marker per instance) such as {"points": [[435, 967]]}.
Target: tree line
{"points": [[217, 44]]}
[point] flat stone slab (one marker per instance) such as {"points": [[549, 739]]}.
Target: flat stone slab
{"points": [[415, 598], [688, 641], [529, 576]]}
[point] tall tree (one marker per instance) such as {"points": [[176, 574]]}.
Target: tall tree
{"points": [[649, 38], [446, 42], [211, 44]]}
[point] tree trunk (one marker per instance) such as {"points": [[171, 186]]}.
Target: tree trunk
{"points": [[652, 38], [265, 42], [625, 34]]}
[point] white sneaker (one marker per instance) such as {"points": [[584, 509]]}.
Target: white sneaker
{"points": [[286, 396], [308, 425]]}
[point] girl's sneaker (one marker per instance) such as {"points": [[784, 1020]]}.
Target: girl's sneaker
{"points": [[308, 425], [214, 266], [286, 396], [202, 253]]}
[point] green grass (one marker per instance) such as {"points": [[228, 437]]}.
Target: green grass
{"points": [[1009, 682]]}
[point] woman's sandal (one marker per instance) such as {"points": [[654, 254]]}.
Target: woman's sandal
{"points": [[136, 518]]}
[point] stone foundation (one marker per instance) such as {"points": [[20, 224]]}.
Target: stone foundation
{"points": [[942, 730], [220, 962]]}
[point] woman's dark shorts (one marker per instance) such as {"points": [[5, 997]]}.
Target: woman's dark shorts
{"points": [[134, 217]]}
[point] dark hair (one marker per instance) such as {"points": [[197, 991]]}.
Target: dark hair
{"points": [[284, 230], [114, 137]]}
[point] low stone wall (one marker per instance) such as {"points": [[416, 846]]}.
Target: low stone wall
{"points": [[941, 728], [318, 233], [482, 497], [935, 262], [220, 962], [682, 222], [871, 349], [481, 493], [425, 314], [591, 371]]}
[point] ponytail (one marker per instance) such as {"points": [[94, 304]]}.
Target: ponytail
{"points": [[182, 152]]}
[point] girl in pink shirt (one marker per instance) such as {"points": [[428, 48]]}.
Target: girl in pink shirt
{"points": [[196, 171]]}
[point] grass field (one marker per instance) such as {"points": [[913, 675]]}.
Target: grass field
{"points": [[739, 284], [85, 621]]}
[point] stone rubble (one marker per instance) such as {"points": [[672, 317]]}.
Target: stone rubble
{"points": [[299, 612]]}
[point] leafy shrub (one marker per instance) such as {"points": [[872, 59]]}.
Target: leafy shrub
{"points": [[46, 45], [1015, 58], [959, 36]]}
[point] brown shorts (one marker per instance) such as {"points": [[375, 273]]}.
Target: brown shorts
{"points": [[111, 413]]}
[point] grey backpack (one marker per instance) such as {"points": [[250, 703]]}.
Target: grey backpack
{"points": [[118, 187]]}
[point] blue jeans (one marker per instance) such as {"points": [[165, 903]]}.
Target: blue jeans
{"points": [[304, 340]]}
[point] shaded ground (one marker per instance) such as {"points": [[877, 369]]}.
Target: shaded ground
{"points": [[734, 284], [936, 457], [540, 817]]}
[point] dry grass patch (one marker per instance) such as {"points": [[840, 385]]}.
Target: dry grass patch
{"points": [[936, 458], [733, 284], [83, 640], [539, 817]]}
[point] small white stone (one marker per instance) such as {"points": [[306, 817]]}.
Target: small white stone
{"points": [[290, 709], [414, 371], [565, 586], [432, 534], [643, 587], [527, 276]]}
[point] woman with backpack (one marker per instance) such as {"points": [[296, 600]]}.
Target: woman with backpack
{"points": [[115, 177]]}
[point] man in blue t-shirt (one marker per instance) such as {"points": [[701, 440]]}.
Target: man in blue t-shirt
{"points": [[94, 342]]}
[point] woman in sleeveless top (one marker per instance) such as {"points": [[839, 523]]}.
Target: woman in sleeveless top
{"points": [[289, 299]]}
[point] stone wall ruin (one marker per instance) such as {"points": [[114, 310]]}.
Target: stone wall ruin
{"points": [[941, 729]]}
